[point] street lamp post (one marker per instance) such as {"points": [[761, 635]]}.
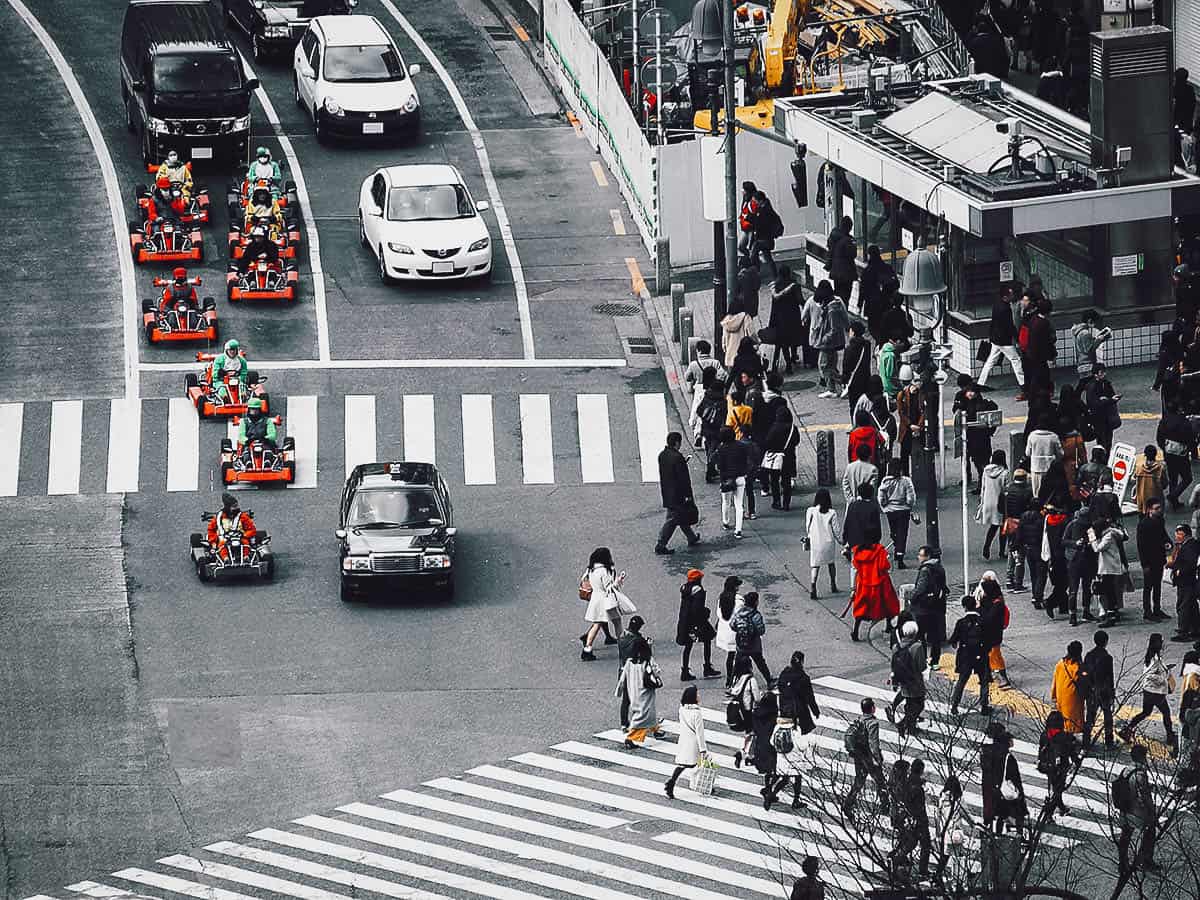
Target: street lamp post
{"points": [[720, 285], [731, 191]]}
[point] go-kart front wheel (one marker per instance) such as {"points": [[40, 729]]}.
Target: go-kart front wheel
{"points": [[197, 540], [202, 572], [269, 572], [190, 380]]}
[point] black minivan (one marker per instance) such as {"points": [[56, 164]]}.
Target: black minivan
{"points": [[183, 82]]}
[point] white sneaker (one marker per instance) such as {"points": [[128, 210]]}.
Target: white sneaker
{"points": [[825, 395]]}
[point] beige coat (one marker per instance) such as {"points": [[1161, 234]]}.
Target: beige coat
{"points": [[1150, 480], [734, 328]]}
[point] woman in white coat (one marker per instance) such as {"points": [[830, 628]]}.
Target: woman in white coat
{"points": [[822, 531], [603, 605], [691, 747], [728, 604]]}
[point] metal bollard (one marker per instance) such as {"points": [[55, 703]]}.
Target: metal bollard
{"points": [[662, 266], [677, 303], [687, 350], [826, 459], [1016, 448]]}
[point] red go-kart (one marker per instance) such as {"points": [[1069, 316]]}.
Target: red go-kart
{"points": [[286, 240], [179, 318], [264, 280], [240, 192], [259, 462], [229, 398], [191, 210], [166, 240], [233, 555]]}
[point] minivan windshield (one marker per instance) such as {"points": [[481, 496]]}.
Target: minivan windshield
{"points": [[429, 202], [364, 63], [200, 72]]}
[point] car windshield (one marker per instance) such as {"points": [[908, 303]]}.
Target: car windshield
{"points": [[365, 63], [391, 508], [199, 72], [429, 202]]}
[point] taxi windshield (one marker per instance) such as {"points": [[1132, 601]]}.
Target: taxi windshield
{"points": [[392, 508]]}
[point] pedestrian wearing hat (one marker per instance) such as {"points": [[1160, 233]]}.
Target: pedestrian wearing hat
{"points": [[727, 605], [694, 625], [970, 401], [910, 412], [229, 520]]}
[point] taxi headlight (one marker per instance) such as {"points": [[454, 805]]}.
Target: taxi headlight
{"points": [[356, 564], [435, 561]]}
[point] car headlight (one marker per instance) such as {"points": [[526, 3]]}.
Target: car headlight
{"points": [[400, 248], [410, 104], [356, 564], [333, 107], [481, 244], [159, 126], [242, 123], [275, 31], [435, 561]]}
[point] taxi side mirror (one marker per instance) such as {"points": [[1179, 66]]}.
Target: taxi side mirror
{"points": [[340, 534]]}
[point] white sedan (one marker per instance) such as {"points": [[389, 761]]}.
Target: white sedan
{"points": [[421, 223]]}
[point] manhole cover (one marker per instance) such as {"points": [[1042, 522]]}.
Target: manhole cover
{"points": [[617, 309]]}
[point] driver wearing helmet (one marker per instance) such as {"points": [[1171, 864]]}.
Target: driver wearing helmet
{"points": [[231, 362], [179, 291], [257, 248], [230, 520], [263, 206], [177, 172], [256, 426], [166, 202], [263, 168]]}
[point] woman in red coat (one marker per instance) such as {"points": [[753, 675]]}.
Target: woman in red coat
{"points": [[874, 596]]}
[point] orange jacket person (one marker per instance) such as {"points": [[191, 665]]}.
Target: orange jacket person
{"points": [[1065, 689], [230, 520]]}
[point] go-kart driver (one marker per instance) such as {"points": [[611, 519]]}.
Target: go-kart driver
{"points": [[230, 362], [179, 291], [166, 202], [229, 521], [259, 247], [256, 426], [263, 206], [263, 168], [174, 169]]}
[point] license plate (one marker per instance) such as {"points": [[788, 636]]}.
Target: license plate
{"points": [[202, 153], [442, 268], [372, 128]]}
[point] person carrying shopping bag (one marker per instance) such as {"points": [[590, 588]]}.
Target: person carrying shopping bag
{"points": [[691, 747]]}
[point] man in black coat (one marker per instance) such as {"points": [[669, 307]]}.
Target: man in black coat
{"points": [[1153, 543], [1101, 690], [928, 601], [797, 707], [1176, 437], [1002, 335], [1183, 576], [843, 256], [862, 527], [675, 482], [971, 655]]}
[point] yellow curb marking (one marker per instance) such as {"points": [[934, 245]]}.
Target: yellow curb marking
{"points": [[598, 172], [574, 120], [635, 273], [517, 29]]}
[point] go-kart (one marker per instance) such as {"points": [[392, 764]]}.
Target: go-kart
{"points": [[166, 240], [240, 192], [234, 556], [259, 462], [227, 399], [179, 320], [286, 240], [191, 210], [264, 280]]}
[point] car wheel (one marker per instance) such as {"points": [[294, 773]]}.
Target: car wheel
{"points": [[129, 124], [362, 232], [318, 129], [384, 277], [296, 90], [345, 592], [150, 332], [196, 540], [146, 154], [256, 48], [190, 380]]}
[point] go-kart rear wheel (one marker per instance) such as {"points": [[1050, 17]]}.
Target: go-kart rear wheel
{"points": [[202, 572], [147, 306], [226, 468], [139, 191], [190, 380], [269, 574], [199, 252], [129, 123], [150, 332], [290, 468], [289, 443], [252, 376], [197, 540]]}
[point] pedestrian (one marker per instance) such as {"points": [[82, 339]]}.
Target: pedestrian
{"points": [[1003, 789], [1058, 752], [691, 746], [916, 834], [861, 470], [603, 602], [1101, 684], [694, 626], [856, 365], [1107, 539], [993, 483], [1053, 558], [1030, 531], [897, 496], [986, 45], [897, 323], [743, 697], [779, 460], [1178, 441], [727, 605], [823, 537], [1183, 577], [749, 627], [862, 743], [970, 401], [1042, 346], [874, 597], [993, 613], [749, 283], [746, 368], [828, 323], [969, 638], [1067, 690], [1183, 101], [1015, 501], [786, 319], [798, 711], [765, 756], [639, 682], [1157, 683], [1090, 338], [1081, 563], [1043, 447], [1139, 815], [747, 215], [675, 485], [1089, 474], [1153, 545], [862, 526], [911, 414], [711, 412], [1002, 334], [733, 466], [871, 298], [876, 406], [843, 258], [954, 824], [928, 602], [625, 649], [744, 430], [737, 325], [1055, 489], [1100, 399], [694, 379], [808, 886], [1149, 479], [889, 368]]}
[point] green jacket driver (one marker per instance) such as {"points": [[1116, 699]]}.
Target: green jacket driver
{"points": [[257, 426], [230, 362]]}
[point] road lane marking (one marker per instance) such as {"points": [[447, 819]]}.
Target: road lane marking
{"points": [[618, 221], [300, 424], [537, 441], [598, 174], [246, 877], [479, 440], [124, 446], [637, 282], [317, 365], [92, 889], [485, 167], [130, 317], [419, 443], [573, 814], [183, 445], [651, 413], [12, 416], [310, 230], [66, 447], [174, 885], [359, 430], [595, 442]]}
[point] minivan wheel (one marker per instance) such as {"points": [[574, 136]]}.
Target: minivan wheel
{"points": [[256, 48], [318, 129], [129, 115], [362, 232], [296, 90], [147, 156]]}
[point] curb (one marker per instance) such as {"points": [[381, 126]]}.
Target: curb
{"points": [[508, 15], [671, 367]]}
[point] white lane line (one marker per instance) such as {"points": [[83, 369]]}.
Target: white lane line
{"points": [[92, 889], [183, 445], [537, 443], [300, 423], [595, 443], [112, 188], [479, 440], [418, 428], [124, 446], [66, 447], [311, 236], [360, 430], [572, 814], [177, 885], [651, 411], [246, 877], [618, 221], [598, 174], [11, 417], [489, 179], [337, 364]]}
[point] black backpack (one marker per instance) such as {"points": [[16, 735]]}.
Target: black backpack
{"points": [[855, 739], [1122, 791], [770, 223], [904, 670], [1047, 757], [711, 411], [972, 637], [735, 716]]}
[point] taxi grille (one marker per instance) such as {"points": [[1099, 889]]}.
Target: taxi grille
{"points": [[409, 562]]}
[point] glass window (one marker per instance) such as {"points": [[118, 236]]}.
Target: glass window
{"points": [[429, 202], [386, 508], [877, 211], [1061, 258], [367, 63], [200, 72]]}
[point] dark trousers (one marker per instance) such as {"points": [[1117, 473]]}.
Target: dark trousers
{"points": [[1081, 569], [687, 653], [679, 770], [758, 661], [933, 626], [898, 526], [842, 287], [1179, 475], [917, 834], [1152, 589], [788, 352], [1185, 607], [781, 489], [1151, 702], [676, 516], [730, 659], [624, 709], [1149, 833], [906, 445], [1058, 578], [913, 707], [1016, 565], [992, 531], [862, 768], [1094, 706], [1111, 592], [1037, 572], [985, 680]]}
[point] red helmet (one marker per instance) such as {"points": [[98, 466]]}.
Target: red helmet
{"points": [[180, 274], [163, 182]]}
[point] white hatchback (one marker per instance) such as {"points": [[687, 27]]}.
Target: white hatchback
{"points": [[349, 76], [421, 223]]}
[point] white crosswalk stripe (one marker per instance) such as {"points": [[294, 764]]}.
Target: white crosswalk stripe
{"points": [[651, 431], [537, 442], [12, 416], [478, 437], [66, 447], [183, 445], [595, 440], [360, 430], [300, 420], [419, 442], [124, 446]]}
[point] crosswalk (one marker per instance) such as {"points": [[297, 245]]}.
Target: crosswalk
{"points": [[68, 447], [588, 818]]}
